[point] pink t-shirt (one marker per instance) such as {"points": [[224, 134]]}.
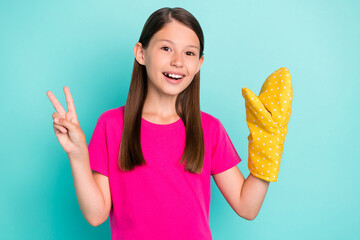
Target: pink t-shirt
{"points": [[159, 200]]}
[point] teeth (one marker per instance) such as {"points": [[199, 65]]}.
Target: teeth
{"points": [[173, 75]]}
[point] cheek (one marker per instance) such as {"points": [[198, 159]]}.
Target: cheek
{"points": [[157, 61], [151, 65], [193, 67]]}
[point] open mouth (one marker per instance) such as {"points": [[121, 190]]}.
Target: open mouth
{"points": [[173, 76]]}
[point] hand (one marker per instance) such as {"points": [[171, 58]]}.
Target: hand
{"points": [[68, 130], [267, 117]]}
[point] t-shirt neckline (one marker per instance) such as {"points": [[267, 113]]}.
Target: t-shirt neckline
{"points": [[175, 124]]}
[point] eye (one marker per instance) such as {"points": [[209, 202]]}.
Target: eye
{"points": [[165, 48], [191, 54]]}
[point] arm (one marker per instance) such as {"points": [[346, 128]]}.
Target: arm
{"points": [[244, 196], [92, 191], [268, 128], [252, 196]]}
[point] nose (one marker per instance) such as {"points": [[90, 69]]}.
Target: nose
{"points": [[177, 60]]}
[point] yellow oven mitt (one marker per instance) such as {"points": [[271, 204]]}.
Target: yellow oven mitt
{"points": [[267, 117]]}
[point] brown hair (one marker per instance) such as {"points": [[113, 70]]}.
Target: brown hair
{"points": [[187, 102]]}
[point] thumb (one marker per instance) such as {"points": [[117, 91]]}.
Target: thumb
{"points": [[64, 122], [257, 116], [255, 108]]}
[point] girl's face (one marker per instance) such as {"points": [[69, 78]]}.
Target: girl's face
{"points": [[174, 49]]}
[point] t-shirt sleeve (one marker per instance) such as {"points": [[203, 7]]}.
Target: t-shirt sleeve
{"points": [[98, 151], [223, 153]]}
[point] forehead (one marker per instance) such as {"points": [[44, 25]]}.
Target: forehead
{"points": [[178, 34]]}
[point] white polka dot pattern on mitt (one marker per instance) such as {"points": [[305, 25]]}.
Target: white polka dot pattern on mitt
{"points": [[268, 124]]}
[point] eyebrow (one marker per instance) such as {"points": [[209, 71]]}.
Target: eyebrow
{"points": [[166, 40]]}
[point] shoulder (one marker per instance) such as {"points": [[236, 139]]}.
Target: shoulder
{"points": [[111, 116], [209, 121]]}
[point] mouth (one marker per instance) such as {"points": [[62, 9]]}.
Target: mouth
{"points": [[173, 76]]}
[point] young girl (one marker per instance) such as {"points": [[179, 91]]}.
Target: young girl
{"points": [[148, 163]]}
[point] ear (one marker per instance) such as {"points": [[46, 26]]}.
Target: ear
{"points": [[139, 53], [200, 63]]}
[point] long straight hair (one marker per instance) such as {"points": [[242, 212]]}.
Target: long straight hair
{"points": [[187, 102]]}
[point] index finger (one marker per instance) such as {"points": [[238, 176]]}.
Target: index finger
{"points": [[56, 103], [69, 100]]}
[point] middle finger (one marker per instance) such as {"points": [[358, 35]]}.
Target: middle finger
{"points": [[56, 103]]}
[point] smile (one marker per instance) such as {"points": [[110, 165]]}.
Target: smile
{"points": [[173, 76]]}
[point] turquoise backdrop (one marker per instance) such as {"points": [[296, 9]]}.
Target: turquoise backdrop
{"points": [[88, 46]]}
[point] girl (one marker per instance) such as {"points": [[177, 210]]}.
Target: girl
{"points": [[148, 163]]}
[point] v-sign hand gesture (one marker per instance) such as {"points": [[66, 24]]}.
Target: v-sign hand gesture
{"points": [[67, 128]]}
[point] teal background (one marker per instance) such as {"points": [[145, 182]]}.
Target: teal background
{"points": [[88, 46]]}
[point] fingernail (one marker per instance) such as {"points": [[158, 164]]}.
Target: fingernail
{"points": [[56, 120]]}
